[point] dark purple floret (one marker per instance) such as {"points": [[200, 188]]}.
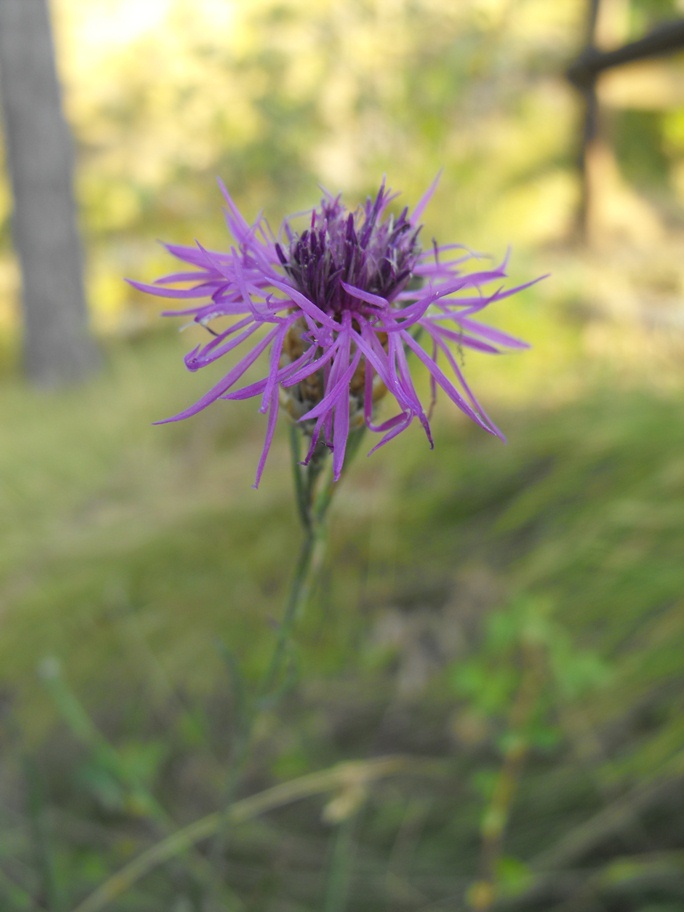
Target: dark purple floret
{"points": [[358, 249]]}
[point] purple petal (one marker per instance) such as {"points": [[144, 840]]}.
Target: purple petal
{"points": [[313, 366], [394, 431], [490, 334], [270, 429], [200, 291], [447, 386], [223, 385], [361, 295], [328, 400], [459, 374], [199, 358], [305, 304], [425, 199]]}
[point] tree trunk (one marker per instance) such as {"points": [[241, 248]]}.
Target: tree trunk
{"points": [[57, 344]]}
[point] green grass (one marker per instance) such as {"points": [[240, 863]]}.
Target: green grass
{"points": [[130, 552]]}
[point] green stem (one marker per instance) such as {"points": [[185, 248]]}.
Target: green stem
{"points": [[312, 509], [42, 837], [309, 559], [341, 864], [314, 496], [298, 475]]}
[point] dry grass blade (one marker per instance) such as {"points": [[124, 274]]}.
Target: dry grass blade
{"points": [[358, 774]]}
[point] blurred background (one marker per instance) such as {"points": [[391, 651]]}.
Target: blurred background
{"points": [[511, 613]]}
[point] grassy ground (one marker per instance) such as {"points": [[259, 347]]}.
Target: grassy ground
{"points": [[512, 614]]}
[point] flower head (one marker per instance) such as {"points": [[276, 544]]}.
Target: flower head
{"points": [[338, 309]]}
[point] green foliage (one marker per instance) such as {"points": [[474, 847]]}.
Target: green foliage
{"points": [[490, 678], [162, 543], [513, 876], [278, 97], [639, 135], [647, 14]]}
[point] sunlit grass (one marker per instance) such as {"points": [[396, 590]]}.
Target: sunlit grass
{"points": [[105, 517]]}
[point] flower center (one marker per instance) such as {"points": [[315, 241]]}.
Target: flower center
{"points": [[355, 248]]}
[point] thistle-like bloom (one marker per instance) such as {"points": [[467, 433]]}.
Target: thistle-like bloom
{"points": [[340, 310]]}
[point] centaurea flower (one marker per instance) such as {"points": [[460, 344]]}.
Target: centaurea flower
{"points": [[337, 310]]}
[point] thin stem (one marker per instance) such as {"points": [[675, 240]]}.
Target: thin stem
{"points": [[297, 474], [299, 592], [341, 864], [483, 894], [42, 837], [312, 507], [313, 502]]}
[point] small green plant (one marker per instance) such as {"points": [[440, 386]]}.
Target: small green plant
{"points": [[516, 685]]}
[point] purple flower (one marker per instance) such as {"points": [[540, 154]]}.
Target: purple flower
{"points": [[339, 310]]}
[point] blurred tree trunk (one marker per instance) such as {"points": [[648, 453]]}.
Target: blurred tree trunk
{"points": [[606, 48], [57, 344], [588, 157]]}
